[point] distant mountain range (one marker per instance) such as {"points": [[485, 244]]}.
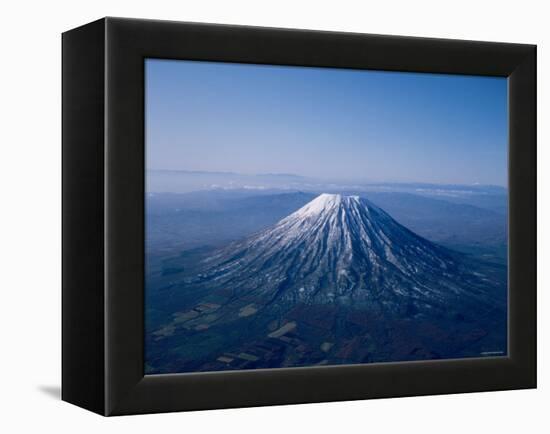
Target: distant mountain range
{"points": [[184, 181]]}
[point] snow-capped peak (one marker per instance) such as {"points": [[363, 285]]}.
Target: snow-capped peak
{"points": [[324, 203]]}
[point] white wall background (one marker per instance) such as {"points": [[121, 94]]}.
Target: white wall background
{"points": [[30, 171]]}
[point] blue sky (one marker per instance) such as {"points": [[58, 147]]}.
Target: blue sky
{"points": [[328, 123]]}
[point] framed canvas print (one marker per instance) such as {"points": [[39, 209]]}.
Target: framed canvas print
{"points": [[258, 216]]}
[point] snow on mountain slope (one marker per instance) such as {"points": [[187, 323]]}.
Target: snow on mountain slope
{"points": [[340, 249]]}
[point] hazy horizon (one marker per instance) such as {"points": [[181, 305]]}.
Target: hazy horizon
{"points": [[320, 178], [331, 124]]}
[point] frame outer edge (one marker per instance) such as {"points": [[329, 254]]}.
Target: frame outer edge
{"points": [[82, 212], [128, 391], [523, 211]]}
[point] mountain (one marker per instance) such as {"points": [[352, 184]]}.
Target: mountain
{"points": [[340, 249], [337, 281]]}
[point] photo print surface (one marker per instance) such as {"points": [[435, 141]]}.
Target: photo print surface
{"points": [[301, 216]]}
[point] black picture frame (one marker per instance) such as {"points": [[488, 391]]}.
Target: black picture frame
{"points": [[103, 216]]}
